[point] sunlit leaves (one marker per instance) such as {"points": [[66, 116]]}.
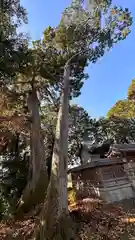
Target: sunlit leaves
{"points": [[125, 108], [131, 90]]}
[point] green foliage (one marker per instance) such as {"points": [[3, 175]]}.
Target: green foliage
{"points": [[79, 40], [124, 108], [79, 124], [121, 118], [121, 130], [103, 4], [5, 209], [57, 56], [131, 91], [13, 56], [15, 169], [12, 45]]}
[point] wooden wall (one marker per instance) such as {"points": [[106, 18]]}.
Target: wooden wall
{"points": [[87, 182]]}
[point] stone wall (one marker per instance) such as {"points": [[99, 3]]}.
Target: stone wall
{"points": [[119, 190]]}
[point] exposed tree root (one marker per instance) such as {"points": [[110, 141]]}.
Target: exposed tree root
{"points": [[32, 196], [54, 225], [60, 229]]}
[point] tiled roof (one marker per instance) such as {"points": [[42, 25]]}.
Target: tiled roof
{"points": [[101, 162], [123, 147]]}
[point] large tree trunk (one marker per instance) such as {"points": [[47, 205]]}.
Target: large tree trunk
{"points": [[54, 219], [35, 190]]}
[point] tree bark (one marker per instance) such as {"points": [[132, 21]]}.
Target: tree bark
{"points": [[37, 143], [35, 190], [54, 220]]}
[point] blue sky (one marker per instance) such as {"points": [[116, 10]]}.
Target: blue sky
{"points": [[110, 76]]}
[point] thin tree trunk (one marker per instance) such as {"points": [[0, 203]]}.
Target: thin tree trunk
{"points": [[35, 190], [55, 215]]}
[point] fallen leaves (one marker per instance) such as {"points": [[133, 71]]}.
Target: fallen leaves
{"points": [[17, 230], [94, 219], [109, 222]]}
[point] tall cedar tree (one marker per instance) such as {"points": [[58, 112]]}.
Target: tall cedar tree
{"points": [[116, 28]]}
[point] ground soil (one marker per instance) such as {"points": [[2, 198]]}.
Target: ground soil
{"points": [[94, 219]]}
